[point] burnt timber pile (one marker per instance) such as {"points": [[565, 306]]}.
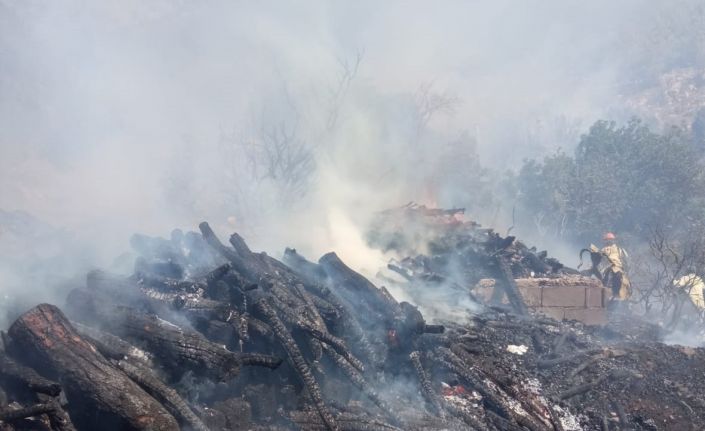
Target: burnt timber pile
{"points": [[442, 254], [432, 241], [206, 335]]}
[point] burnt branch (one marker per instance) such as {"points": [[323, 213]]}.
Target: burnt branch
{"points": [[298, 361], [14, 373], [426, 388], [182, 350], [164, 394]]}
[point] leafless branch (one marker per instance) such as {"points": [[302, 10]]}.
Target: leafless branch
{"points": [[348, 72], [429, 103], [671, 259]]}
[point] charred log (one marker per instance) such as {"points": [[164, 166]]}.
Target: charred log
{"points": [[15, 374], [311, 271], [426, 388], [297, 361], [10, 415], [547, 363], [359, 381], [309, 420], [59, 419], [99, 394], [491, 401], [112, 346], [581, 389], [510, 287], [182, 350], [217, 273], [164, 394], [357, 290]]}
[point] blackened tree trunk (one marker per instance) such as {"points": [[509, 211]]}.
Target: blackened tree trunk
{"points": [[100, 395]]}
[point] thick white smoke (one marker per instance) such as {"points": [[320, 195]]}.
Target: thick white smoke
{"points": [[117, 117]]}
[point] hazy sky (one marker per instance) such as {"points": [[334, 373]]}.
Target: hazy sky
{"points": [[112, 114]]}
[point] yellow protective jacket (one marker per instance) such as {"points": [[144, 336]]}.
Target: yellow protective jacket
{"points": [[614, 270], [693, 285], [616, 257]]}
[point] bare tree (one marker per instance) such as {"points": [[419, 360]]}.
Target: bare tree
{"points": [[337, 93], [278, 154], [672, 271], [278, 150], [430, 103]]}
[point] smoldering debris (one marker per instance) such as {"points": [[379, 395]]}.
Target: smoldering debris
{"points": [[205, 335], [441, 254], [435, 241]]}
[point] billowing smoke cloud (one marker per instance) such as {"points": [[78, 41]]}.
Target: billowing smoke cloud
{"points": [[292, 122]]}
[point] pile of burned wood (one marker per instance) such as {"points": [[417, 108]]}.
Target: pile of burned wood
{"points": [[433, 239], [442, 249], [205, 335]]}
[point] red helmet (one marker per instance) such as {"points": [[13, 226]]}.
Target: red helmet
{"points": [[609, 236]]}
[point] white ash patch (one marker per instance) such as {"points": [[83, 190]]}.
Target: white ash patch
{"points": [[167, 323], [517, 349], [462, 403], [513, 404], [517, 407], [462, 399], [139, 354], [533, 385], [569, 421], [553, 329]]}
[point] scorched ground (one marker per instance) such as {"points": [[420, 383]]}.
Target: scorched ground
{"points": [[205, 335]]}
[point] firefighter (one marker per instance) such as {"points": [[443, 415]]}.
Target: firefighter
{"points": [[614, 274], [693, 285]]}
